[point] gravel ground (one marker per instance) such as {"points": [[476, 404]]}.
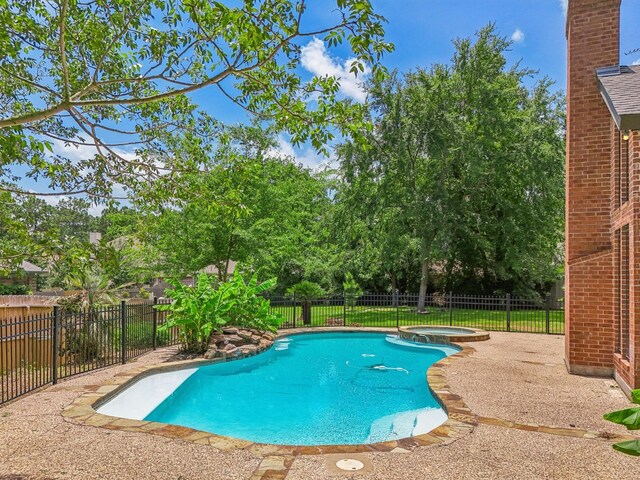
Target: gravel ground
{"points": [[490, 453], [518, 377], [37, 442], [523, 378]]}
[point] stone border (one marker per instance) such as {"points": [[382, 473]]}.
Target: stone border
{"points": [[474, 335], [461, 420]]}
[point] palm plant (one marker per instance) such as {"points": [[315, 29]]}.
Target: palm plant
{"points": [[306, 292]]}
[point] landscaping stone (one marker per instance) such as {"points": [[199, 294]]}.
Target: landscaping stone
{"points": [[334, 322], [245, 334], [235, 343], [236, 339], [211, 353], [249, 349]]}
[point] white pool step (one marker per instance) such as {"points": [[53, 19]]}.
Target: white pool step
{"points": [[406, 424]]}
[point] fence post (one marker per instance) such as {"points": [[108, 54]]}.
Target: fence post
{"points": [[294, 309], [54, 343], [508, 299], [546, 314], [397, 313], [154, 316], [344, 309], [123, 330], [450, 308]]}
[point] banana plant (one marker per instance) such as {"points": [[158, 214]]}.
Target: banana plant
{"points": [[630, 418]]}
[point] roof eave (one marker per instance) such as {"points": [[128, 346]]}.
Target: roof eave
{"points": [[623, 122], [609, 103]]}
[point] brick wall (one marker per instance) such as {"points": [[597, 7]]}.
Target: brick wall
{"points": [[593, 28]]}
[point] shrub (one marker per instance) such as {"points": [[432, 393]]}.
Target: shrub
{"points": [[200, 310], [196, 311], [249, 308], [14, 289], [352, 291]]}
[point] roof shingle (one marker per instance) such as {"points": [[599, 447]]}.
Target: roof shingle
{"points": [[620, 88]]}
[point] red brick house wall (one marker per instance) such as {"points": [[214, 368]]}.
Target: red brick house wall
{"points": [[602, 207], [592, 41]]}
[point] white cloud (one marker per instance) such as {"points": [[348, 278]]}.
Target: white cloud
{"points": [[307, 156], [517, 36], [316, 59], [636, 62], [565, 5]]}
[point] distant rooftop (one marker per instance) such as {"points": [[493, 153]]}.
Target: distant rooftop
{"points": [[620, 88], [31, 268]]}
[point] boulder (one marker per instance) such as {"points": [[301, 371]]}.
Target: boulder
{"points": [[236, 340], [249, 350], [228, 347], [211, 353], [230, 331], [246, 334], [268, 336], [234, 353]]}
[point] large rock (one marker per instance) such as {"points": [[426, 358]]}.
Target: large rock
{"points": [[238, 342], [248, 350], [211, 353], [246, 334], [236, 339], [218, 338]]}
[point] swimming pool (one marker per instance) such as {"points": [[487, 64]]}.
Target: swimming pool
{"points": [[310, 389]]}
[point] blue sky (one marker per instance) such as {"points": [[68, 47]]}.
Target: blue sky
{"points": [[422, 31]]}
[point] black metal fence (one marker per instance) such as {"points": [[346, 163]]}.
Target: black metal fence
{"points": [[498, 313], [39, 349]]}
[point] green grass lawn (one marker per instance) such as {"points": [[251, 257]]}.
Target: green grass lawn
{"points": [[520, 320]]}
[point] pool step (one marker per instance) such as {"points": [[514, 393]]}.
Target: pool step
{"points": [[405, 424]]}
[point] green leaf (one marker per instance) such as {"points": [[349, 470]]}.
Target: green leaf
{"points": [[629, 417], [631, 447]]}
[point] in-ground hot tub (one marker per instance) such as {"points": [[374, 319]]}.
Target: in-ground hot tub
{"points": [[441, 334]]}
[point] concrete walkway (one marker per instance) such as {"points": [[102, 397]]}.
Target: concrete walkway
{"points": [[514, 383]]}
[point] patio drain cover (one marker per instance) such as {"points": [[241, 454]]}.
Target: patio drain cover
{"points": [[349, 464]]}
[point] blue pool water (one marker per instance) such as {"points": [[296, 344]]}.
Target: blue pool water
{"points": [[313, 389]]}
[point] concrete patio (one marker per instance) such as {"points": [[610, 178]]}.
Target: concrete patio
{"points": [[533, 421]]}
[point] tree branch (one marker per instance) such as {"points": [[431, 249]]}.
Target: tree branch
{"points": [[63, 53]]}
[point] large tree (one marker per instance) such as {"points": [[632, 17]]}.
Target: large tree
{"points": [[111, 76], [249, 205], [466, 164]]}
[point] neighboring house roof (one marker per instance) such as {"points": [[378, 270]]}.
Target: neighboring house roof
{"points": [[213, 270], [31, 268], [620, 88]]}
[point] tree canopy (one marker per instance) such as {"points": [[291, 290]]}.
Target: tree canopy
{"points": [[113, 76]]}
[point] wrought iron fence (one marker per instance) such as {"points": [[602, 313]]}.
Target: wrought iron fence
{"points": [[40, 349], [498, 313], [37, 350]]}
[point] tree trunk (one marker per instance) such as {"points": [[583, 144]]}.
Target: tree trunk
{"points": [[306, 312], [394, 289], [424, 281]]}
